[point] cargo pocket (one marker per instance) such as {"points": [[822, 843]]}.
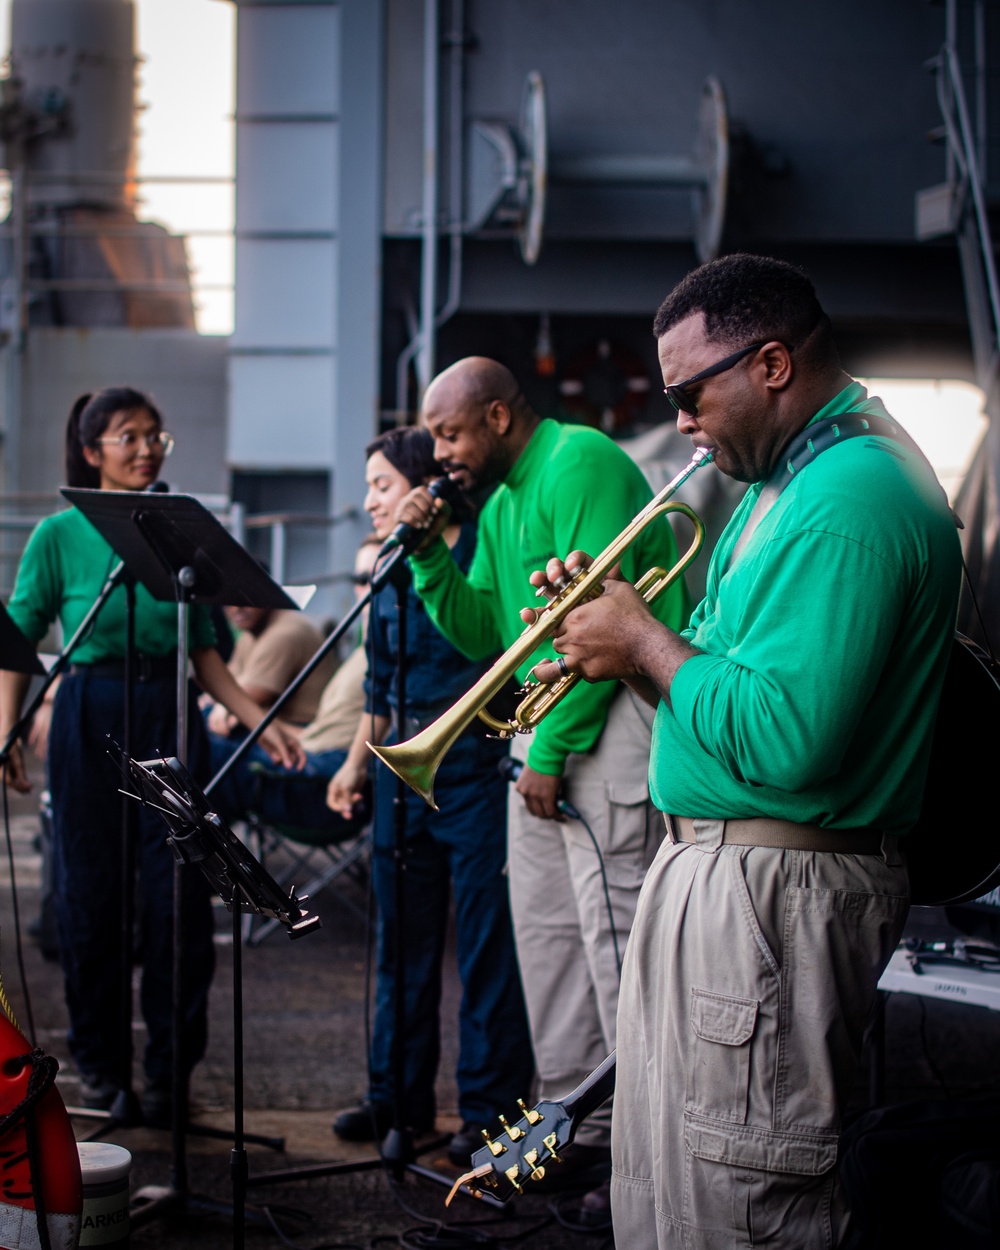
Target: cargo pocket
{"points": [[630, 846], [719, 1074]]}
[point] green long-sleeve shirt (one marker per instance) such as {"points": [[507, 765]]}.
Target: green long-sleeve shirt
{"points": [[826, 645], [571, 488], [63, 570]]}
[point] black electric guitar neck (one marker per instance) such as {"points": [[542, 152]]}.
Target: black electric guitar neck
{"points": [[523, 1151]]}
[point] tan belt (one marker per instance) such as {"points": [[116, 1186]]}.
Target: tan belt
{"points": [[783, 835]]}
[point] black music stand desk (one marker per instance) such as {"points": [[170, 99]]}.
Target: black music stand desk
{"points": [[17, 654], [182, 554]]}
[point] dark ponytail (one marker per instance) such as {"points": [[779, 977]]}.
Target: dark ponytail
{"points": [[89, 417]]}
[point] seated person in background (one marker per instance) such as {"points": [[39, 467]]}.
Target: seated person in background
{"points": [[299, 798], [274, 646]]}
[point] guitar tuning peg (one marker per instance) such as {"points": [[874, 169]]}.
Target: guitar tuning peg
{"points": [[513, 1132], [495, 1147], [530, 1114], [531, 1159], [511, 1175]]}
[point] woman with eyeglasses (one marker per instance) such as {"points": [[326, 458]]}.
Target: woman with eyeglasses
{"points": [[462, 845], [115, 441]]}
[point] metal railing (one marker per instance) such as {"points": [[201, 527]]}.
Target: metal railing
{"points": [[971, 222], [21, 512], [279, 524]]}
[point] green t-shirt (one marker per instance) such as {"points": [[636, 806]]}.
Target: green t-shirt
{"points": [[571, 488], [826, 645], [63, 570]]}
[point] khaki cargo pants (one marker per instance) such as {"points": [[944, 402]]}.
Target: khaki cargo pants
{"points": [[562, 929], [747, 984]]}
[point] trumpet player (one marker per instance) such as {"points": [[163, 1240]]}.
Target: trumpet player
{"points": [[800, 703], [557, 487]]}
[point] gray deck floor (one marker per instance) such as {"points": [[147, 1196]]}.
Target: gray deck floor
{"points": [[305, 1059]]}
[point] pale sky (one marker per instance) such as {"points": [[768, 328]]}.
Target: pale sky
{"points": [[187, 82], [186, 85]]}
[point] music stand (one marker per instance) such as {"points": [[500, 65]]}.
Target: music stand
{"points": [[182, 554], [17, 654], [199, 836]]}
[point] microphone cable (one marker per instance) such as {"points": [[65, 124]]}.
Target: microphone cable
{"points": [[511, 769]]}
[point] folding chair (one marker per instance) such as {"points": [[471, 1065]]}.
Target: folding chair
{"points": [[311, 856]]}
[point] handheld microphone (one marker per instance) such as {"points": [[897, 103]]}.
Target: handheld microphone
{"points": [[408, 536], [159, 487], [510, 770]]}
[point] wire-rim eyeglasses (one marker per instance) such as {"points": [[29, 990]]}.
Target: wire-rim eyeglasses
{"points": [[161, 441]]}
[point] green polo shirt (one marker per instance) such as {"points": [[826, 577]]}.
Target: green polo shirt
{"points": [[63, 570], [825, 647], [571, 488]]}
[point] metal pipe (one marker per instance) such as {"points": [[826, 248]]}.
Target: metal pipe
{"points": [[278, 548], [950, 36], [42, 178], [456, 180], [19, 339], [976, 189], [429, 253], [625, 170], [982, 113], [456, 64]]}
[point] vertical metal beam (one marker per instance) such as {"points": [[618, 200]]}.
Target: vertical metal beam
{"points": [[429, 254], [358, 293], [18, 344], [950, 37], [981, 91]]}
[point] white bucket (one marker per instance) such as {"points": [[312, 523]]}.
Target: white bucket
{"points": [[105, 1169]]}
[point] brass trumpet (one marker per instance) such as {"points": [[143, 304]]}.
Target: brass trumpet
{"points": [[417, 760]]}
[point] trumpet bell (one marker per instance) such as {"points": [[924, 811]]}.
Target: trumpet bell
{"points": [[413, 764], [417, 760]]}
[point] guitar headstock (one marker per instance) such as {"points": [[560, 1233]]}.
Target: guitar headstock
{"points": [[521, 1153]]}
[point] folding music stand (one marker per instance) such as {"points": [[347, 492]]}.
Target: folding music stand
{"points": [[198, 836], [17, 654], [182, 554]]}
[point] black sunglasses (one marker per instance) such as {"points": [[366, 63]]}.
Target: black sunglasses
{"points": [[361, 579], [677, 393]]}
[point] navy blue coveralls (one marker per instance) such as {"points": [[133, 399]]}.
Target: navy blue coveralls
{"points": [[464, 844]]}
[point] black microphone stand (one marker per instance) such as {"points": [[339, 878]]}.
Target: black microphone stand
{"points": [[199, 837], [401, 542], [397, 1149], [379, 578]]}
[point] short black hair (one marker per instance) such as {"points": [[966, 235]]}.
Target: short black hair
{"points": [[745, 299]]}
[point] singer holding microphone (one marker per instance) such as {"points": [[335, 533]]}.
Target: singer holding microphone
{"points": [[115, 441], [462, 844]]}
